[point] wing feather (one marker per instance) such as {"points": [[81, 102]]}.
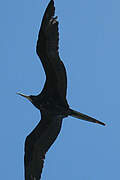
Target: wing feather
{"points": [[47, 50], [38, 143]]}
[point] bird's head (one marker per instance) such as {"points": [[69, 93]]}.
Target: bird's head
{"points": [[31, 98]]}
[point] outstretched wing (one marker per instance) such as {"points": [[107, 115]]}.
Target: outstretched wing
{"points": [[47, 50], [38, 143]]}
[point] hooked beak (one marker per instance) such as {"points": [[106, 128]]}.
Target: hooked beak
{"points": [[25, 96]]}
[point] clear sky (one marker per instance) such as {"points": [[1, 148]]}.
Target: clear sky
{"points": [[90, 49]]}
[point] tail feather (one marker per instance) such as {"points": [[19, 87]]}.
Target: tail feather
{"points": [[84, 117]]}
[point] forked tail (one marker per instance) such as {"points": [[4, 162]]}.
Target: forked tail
{"points": [[84, 117]]}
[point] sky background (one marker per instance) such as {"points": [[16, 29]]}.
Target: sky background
{"points": [[90, 50]]}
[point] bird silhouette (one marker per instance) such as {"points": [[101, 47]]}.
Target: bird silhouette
{"points": [[51, 101]]}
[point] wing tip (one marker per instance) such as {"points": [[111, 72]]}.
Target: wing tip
{"points": [[51, 7]]}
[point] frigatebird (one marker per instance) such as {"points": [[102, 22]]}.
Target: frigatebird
{"points": [[51, 101]]}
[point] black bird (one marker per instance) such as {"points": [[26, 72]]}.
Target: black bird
{"points": [[51, 101]]}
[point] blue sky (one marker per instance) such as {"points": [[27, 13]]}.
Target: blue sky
{"points": [[90, 50]]}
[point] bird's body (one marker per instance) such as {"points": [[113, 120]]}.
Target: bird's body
{"points": [[51, 101]]}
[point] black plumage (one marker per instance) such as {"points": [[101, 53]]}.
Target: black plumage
{"points": [[51, 101]]}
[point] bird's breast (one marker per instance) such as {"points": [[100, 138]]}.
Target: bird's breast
{"points": [[54, 108]]}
